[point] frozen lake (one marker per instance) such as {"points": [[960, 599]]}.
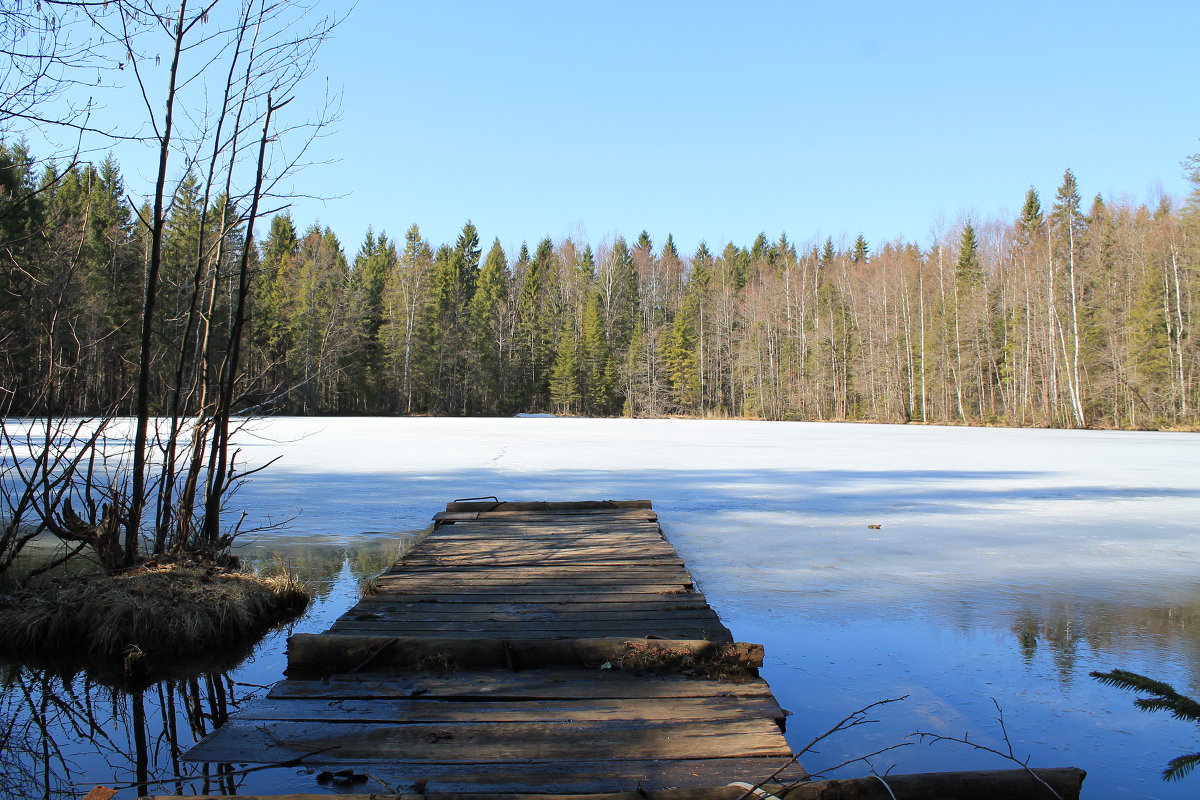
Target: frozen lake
{"points": [[1007, 563]]}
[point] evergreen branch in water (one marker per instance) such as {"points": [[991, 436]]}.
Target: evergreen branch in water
{"points": [[1164, 698]]}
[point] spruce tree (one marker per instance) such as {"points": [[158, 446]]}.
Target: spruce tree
{"points": [[535, 326], [968, 274], [1029, 224], [861, 251], [596, 361], [1162, 697], [566, 389], [490, 329]]}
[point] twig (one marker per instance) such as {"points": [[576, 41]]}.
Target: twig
{"points": [[852, 720], [1010, 755]]}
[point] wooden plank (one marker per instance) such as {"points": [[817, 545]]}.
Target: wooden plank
{"points": [[708, 793], [646, 546], [462, 544], [690, 619], [534, 684], [459, 595], [629, 779], [450, 577], [656, 572], [324, 654], [499, 588], [513, 612], [389, 605], [539, 634], [1013, 784], [456, 516], [639, 520], [575, 505], [242, 740], [591, 557], [483, 783], [713, 793], [583, 548], [353, 710], [598, 517], [612, 569]]}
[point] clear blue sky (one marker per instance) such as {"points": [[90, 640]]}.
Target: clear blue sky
{"points": [[719, 120]]}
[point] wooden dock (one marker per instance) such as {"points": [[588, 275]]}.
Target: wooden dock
{"points": [[523, 648]]}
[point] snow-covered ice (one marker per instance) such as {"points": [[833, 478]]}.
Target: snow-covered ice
{"points": [[1008, 563]]}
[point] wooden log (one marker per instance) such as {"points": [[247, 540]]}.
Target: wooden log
{"points": [[1010, 784], [315, 655]]}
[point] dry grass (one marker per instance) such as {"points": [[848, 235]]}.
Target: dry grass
{"points": [[155, 611]]}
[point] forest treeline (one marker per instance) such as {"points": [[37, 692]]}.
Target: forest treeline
{"points": [[1073, 314]]}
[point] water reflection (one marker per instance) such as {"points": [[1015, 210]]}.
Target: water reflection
{"points": [[65, 728], [1119, 632], [65, 733]]}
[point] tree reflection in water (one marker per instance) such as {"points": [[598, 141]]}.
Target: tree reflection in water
{"points": [[65, 729], [61, 732], [1074, 630]]}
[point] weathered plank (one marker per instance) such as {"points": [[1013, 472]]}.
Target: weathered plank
{"points": [[633, 779], [642, 572], [549, 506], [471, 784], [501, 588], [490, 624], [382, 604], [394, 593], [243, 740], [582, 546], [408, 710], [515, 559], [327, 654], [534, 684], [527, 612], [713, 634]]}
